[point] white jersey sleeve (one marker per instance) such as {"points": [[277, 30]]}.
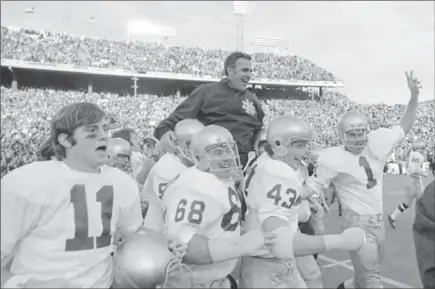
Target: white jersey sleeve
{"points": [[19, 213], [130, 214], [163, 172], [383, 140], [324, 171]]}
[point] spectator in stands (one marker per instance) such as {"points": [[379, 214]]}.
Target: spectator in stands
{"points": [[226, 103], [424, 236]]}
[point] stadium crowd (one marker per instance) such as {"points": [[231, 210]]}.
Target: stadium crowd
{"points": [[61, 48], [26, 114]]}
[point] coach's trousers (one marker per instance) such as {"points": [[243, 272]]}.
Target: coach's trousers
{"points": [[367, 260]]}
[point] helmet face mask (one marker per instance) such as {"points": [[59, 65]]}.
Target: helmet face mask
{"points": [[353, 131], [183, 149], [355, 140], [223, 160]]}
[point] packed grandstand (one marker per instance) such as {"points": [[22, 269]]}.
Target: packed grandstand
{"points": [[26, 112]]}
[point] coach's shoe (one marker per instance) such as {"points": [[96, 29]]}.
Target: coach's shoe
{"points": [[392, 221]]}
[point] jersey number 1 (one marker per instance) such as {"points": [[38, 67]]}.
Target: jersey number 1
{"points": [[82, 240], [372, 182]]}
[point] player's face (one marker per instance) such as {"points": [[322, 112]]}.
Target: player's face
{"points": [[224, 161], [299, 148], [240, 75], [356, 140], [122, 162], [91, 144]]}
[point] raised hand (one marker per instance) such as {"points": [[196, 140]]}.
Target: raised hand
{"points": [[413, 83]]}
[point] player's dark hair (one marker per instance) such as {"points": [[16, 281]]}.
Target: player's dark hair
{"points": [[46, 151], [124, 133], [68, 119], [230, 61]]}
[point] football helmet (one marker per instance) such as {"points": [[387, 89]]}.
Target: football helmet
{"points": [[288, 137], [119, 152], [144, 260], [184, 131], [260, 141], [214, 150], [352, 130]]}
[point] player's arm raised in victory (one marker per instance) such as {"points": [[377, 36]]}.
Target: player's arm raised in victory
{"points": [[187, 218], [20, 213], [382, 141]]}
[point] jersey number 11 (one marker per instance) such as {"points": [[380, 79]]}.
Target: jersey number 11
{"points": [[82, 240]]}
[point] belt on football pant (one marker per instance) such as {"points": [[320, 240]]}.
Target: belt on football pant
{"points": [[372, 219]]}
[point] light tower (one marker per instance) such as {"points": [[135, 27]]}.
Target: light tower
{"points": [[240, 9]]}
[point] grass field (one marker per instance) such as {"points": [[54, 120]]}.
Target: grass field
{"points": [[399, 267]]}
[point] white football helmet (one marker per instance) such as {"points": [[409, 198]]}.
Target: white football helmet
{"points": [[184, 131], [119, 152], [144, 260], [288, 137], [352, 130], [214, 150]]}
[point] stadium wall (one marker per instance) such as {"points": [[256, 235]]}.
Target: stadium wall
{"points": [[118, 81]]}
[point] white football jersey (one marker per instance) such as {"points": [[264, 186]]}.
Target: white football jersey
{"points": [[60, 223], [415, 163], [199, 203], [162, 173], [358, 178], [274, 191]]}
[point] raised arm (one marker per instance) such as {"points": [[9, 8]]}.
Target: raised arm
{"points": [[411, 110]]}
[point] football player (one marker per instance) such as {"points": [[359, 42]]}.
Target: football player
{"points": [[417, 169], [165, 170], [203, 211], [356, 170], [274, 189], [119, 152], [58, 218]]}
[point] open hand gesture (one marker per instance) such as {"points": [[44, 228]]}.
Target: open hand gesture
{"points": [[413, 83]]}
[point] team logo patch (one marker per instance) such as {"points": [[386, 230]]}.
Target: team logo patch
{"points": [[248, 106]]}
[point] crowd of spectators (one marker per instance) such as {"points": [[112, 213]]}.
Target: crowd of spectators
{"points": [[26, 115], [60, 48]]}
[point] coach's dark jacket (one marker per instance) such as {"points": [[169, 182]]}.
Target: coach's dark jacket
{"points": [[218, 103], [424, 236]]}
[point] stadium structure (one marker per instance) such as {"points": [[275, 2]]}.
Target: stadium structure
{"points": [[101, 75]]}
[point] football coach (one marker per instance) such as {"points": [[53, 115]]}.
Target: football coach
{"points": [[227, 103]]}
